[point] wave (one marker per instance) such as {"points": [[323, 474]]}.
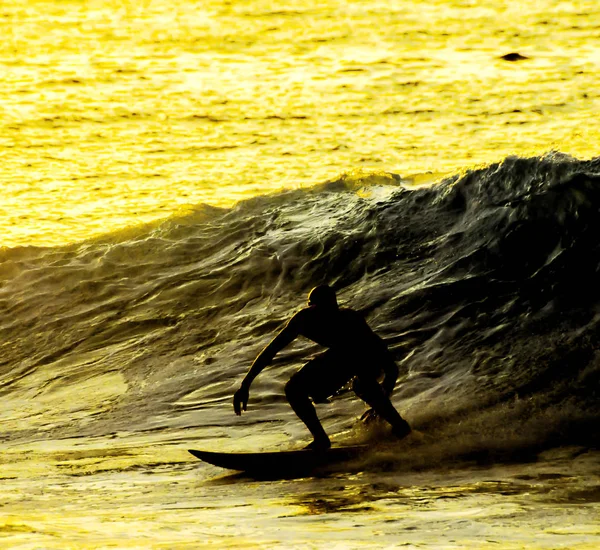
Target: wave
{"points": [[484, 286]]}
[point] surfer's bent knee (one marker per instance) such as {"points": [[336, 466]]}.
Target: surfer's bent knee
{"points": [[295, 387]]}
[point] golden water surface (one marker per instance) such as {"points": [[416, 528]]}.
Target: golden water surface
{"points": [[116, 113]]}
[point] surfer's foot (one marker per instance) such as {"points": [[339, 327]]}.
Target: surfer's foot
{"points": [[319, 445], [401, 430]]}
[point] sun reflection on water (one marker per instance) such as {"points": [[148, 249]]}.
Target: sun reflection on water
{"points": [[120, 115]]}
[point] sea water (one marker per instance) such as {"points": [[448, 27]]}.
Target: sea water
{"points": [[178, 175]]}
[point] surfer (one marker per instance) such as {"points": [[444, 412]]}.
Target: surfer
{"points": [[354, 353]]}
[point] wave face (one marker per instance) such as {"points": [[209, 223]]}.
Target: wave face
{"points": [[485, 287]]}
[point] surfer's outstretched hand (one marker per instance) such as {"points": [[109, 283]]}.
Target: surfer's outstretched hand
{"points": [[240, 400]]}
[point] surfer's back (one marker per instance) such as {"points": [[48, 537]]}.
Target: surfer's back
{"points": [[336, 328]]}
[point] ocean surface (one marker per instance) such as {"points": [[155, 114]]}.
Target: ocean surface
{"points": [[176, 176]]}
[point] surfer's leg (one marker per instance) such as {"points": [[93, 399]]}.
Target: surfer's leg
{"points": [[371, 392], [315, 382], [299, 399]]}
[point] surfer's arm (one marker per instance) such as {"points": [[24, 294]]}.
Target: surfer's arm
{"points": [[381, 351], [285, 337], [390, 376], [389, 367]]}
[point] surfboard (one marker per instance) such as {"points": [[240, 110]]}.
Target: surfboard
{"points": [[277, 463]]}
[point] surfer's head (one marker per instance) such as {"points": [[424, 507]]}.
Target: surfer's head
{"points": [[322, 296]]}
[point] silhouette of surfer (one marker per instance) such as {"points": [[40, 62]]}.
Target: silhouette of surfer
{"points": [[354, 352]]}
